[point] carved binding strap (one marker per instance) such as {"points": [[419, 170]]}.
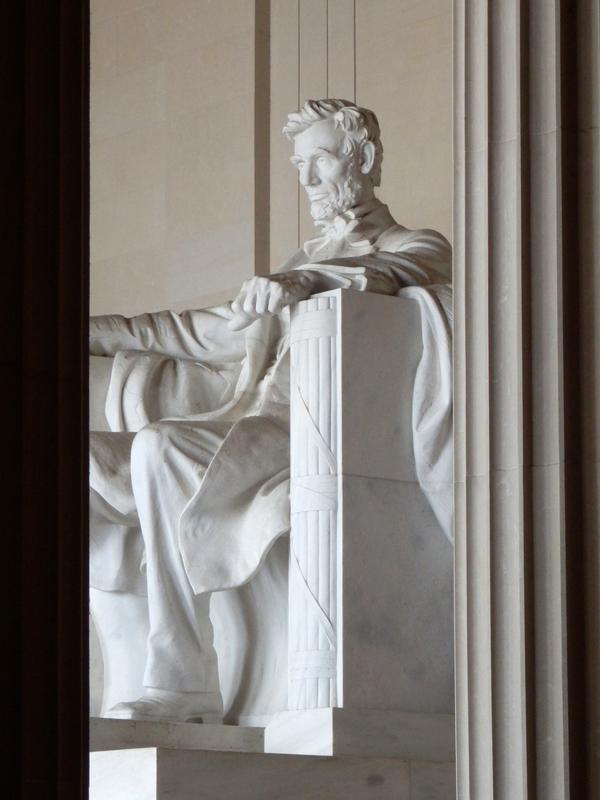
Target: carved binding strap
{"points": [[314, 499]]}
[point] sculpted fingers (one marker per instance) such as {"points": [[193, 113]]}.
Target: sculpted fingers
{"points": [[267, 295], [249, 301], [240, 320], [253, 289], [277, 298], [248, 304], [238, 303], [262, 299]]}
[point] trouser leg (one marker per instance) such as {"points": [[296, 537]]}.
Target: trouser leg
{"points": [[116, 544], [121, 621], [168, 462], [118, 600]]}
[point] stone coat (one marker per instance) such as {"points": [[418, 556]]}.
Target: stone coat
{"points": [[192, 366]]}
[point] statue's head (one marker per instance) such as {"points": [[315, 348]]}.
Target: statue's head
{"points": [[338, 154]]}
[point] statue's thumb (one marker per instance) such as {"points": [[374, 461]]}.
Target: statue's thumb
{"points": [[240, 321]]}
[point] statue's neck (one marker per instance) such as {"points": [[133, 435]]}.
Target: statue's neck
{"points": [[363, 209]]}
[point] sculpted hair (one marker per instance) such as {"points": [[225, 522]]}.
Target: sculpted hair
{"points": [[360, 125]]}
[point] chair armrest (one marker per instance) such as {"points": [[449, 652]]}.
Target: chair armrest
{"points": [[365, 544], [100, 371]]}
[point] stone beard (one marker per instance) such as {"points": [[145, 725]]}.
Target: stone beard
{"points": [[338, 201], [189, 489]]}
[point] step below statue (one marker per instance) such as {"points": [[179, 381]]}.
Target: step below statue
{"points": [[190, 488]]}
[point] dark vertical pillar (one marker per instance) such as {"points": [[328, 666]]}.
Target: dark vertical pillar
{"points": [[44, 363]]}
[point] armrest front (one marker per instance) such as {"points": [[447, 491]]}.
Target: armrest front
{"points": [[100, 370]]}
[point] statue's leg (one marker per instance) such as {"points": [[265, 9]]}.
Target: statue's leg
{"points": [[168, 462], [118, 600], [121, 620]]}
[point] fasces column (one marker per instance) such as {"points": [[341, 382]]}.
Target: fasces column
{"points": [[314, 500], [518, 380]]}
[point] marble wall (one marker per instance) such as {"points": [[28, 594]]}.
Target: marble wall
{"points": [[172, 150], [192, 190]]}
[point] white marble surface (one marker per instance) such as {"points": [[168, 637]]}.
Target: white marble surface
{"points": [[123, 774], [100, 370], [161, 774], [117, 734], [314, 567], [341, 731], [380, 346], [397, 636], [377, 599], [271, 777]]}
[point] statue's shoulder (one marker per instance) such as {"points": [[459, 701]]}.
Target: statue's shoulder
{"points": [[398, 238], [429, 249]]}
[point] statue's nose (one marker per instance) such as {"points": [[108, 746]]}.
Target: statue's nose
{"points": [[307, 175]]}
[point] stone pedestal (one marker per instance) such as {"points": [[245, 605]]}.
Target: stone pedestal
{"points": [[178, 769], [364, 732], [125, 734]]}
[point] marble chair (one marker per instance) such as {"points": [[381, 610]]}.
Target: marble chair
{"points": [[361, 656]]}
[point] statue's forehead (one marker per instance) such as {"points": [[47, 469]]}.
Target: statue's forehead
{"points": [[323, 134]]}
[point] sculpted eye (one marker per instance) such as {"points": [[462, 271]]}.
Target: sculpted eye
{"points": [[322, 160]]}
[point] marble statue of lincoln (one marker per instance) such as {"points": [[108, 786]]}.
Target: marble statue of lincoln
{"points": [[189, 490]]}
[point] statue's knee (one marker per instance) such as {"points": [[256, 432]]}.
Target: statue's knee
{"points": [[150, 444]]}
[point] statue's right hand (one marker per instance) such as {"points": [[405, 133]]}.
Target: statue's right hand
{"points": [[262, 296], [240, 321]]}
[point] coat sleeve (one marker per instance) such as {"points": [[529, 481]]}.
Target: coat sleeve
{"points": [[412, 258], [202, 335]]}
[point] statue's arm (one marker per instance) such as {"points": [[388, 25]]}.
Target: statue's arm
{"points": [[364, 273], [416, 258], [110, 333], [190, 334]]}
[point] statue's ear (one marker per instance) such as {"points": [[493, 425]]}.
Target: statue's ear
{"points": [[367, 157]]}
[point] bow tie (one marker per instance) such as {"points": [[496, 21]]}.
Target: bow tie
{"points": [[346, 235]]}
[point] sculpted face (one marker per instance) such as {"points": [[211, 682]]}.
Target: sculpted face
{"points": [[332, 178]]}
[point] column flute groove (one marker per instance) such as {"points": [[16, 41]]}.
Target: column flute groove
{"points": [[505, 303]]}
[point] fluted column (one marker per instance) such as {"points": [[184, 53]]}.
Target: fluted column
{"points": [[314, 501], [519, 382]]}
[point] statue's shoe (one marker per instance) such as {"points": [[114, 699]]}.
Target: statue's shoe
{"points": [[159, 705]]}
